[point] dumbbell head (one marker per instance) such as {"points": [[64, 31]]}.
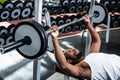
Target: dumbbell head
{"points": [[8, 4], [4, 14], [64, 2], [53, 21], [1, 6], [10, 28], [26, 11], [2, 41], [60, 21], [67, 19], [29, 3], [3, 31], [79, 7], [15, 13], [19, 4]]}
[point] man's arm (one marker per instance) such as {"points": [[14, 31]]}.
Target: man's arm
{"points": [[61, 59], [96, 42]]}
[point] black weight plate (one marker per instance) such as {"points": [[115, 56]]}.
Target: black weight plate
{"points": [[10, 28], [3, 31], [8, 5], [53, 21], [79, 7], [37, 35], [26, 11], [1, 6], [15, 13], [2, 41], [29, 3], [4, 14], [19, 4]]}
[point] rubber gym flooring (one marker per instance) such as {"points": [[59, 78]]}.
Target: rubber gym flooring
{"points": [[14, 67]]}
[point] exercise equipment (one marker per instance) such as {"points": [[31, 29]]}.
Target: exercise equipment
{"points": [[10, 28], [2, 41], [15, 13], [8, 4], [3, 31], [31, 39], [19, 4], [26, 11], [4, 14], [1, 6]]}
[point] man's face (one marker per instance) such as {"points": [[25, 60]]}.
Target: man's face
{"points": [[72, 54]]}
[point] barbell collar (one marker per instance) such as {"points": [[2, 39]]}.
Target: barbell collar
{"points": [[14, 45]]}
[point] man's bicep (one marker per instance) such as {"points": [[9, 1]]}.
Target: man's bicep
{"points": [[95, 48], [72, 70]]}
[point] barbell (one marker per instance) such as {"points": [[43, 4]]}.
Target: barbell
{"points": [[30, 38]]}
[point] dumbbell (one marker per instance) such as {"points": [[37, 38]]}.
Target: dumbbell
{"points": [[64, 2], [3, 31], [8, 4], [60, 21], [15, 13], [79, 7], [4, 14], [53, 21], [29, 3], [19, 4], [25, 13]]}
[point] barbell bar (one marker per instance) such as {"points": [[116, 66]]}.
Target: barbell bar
{"points": [[70, 23], [30, 38]]}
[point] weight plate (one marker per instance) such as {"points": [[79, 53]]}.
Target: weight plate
{"points": [[4, 14], [79, 7], [75, 27], [37, 35], [15, 13], [3, 31], [68, 29], [28, 4], [9, 40], [2, 42], [8, 5], [64, 2], [79, 1], [53, 21], [102, 13], [10, 28], [67, 19], [82, 27], [72, 9], [18, 4], [1, 6], [86, 7], [44, 10], [26, 12]]}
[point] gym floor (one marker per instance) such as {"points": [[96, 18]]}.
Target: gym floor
{"points": [[14, 67]]}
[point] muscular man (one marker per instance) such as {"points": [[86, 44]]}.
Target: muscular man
{"points": [[95, 66]]}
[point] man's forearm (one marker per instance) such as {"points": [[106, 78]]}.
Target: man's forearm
{"points": [[94, 34], [60, 57]]}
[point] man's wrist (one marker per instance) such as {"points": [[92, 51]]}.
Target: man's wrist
{"points": [[87, 23]]}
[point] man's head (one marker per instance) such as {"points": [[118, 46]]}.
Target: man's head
{"points": [[73, 56]]}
